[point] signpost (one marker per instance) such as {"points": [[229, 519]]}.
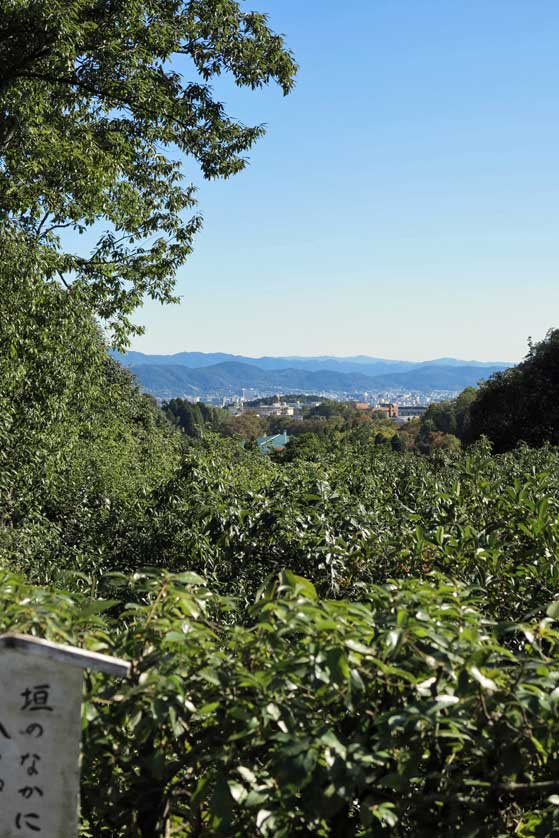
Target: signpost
{"points": [[40, 734]]}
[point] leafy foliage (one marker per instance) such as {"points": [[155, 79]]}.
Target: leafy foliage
{"points": [[94, 107], [360, 516], [79, 445], [444, 426], [193, 418], [403, 713], [516, 406], [521, 404]]}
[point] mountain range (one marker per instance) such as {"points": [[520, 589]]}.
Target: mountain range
{"points": [[219, 374]]}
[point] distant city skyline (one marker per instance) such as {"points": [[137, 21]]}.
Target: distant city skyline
{"points": [[404, 202]]}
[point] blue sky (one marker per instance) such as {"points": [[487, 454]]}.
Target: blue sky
{"points": [[405, 200]]}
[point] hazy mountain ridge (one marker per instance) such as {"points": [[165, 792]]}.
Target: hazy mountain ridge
{"points": [[198, 360], [361, 364], [231, 376]]}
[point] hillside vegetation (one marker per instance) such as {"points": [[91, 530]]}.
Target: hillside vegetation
{"points": [[361, 642]]}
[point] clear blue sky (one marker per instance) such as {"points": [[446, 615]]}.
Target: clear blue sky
{"points": [[405, 200]]}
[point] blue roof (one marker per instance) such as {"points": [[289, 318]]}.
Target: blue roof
{"points": [[275, 442]]}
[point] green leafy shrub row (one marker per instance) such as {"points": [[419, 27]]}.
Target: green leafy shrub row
{"points": [[406, 713], [359, 517]]}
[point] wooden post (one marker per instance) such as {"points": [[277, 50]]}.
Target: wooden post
{"points": [[40, 734]]}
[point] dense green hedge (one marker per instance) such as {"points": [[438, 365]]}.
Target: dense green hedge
{"points": [[361, 516], [406, 713]]}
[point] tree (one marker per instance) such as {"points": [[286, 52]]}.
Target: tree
{"points": [[440, 417], [79, 443], [462, 407], [307, 446], [185, 415], [521, 404], [330, 408], [193, 418], [93, 108], [450, 418], [247, 426]]}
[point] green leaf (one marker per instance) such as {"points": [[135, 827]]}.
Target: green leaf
{"points": [[337, 663], [300, 585], [189, 578], [210, 675], [482, 679], [98, 607]]}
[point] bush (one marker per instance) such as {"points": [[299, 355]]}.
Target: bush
{"points": [[406, 713]]}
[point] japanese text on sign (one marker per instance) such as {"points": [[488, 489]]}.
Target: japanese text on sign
{"points": [[40, 709]]}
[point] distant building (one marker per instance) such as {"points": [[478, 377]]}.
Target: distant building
{"points": [[276, 442], [409, 412], [360, 405], [389, 409], [277, 409]]}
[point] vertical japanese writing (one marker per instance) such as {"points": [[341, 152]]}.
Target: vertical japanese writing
{"points": [[40, 703], [34, 698]]}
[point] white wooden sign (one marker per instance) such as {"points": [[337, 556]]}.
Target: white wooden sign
{"points": [[40, 734]]}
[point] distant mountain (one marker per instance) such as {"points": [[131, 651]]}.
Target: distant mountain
{"points": [[193, 360], [436, 377], [197, 360], [454, 362], [361, 364], [231, 377]]}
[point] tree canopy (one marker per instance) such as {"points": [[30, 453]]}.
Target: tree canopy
{"points": [[93, 110], [521, 404]]}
